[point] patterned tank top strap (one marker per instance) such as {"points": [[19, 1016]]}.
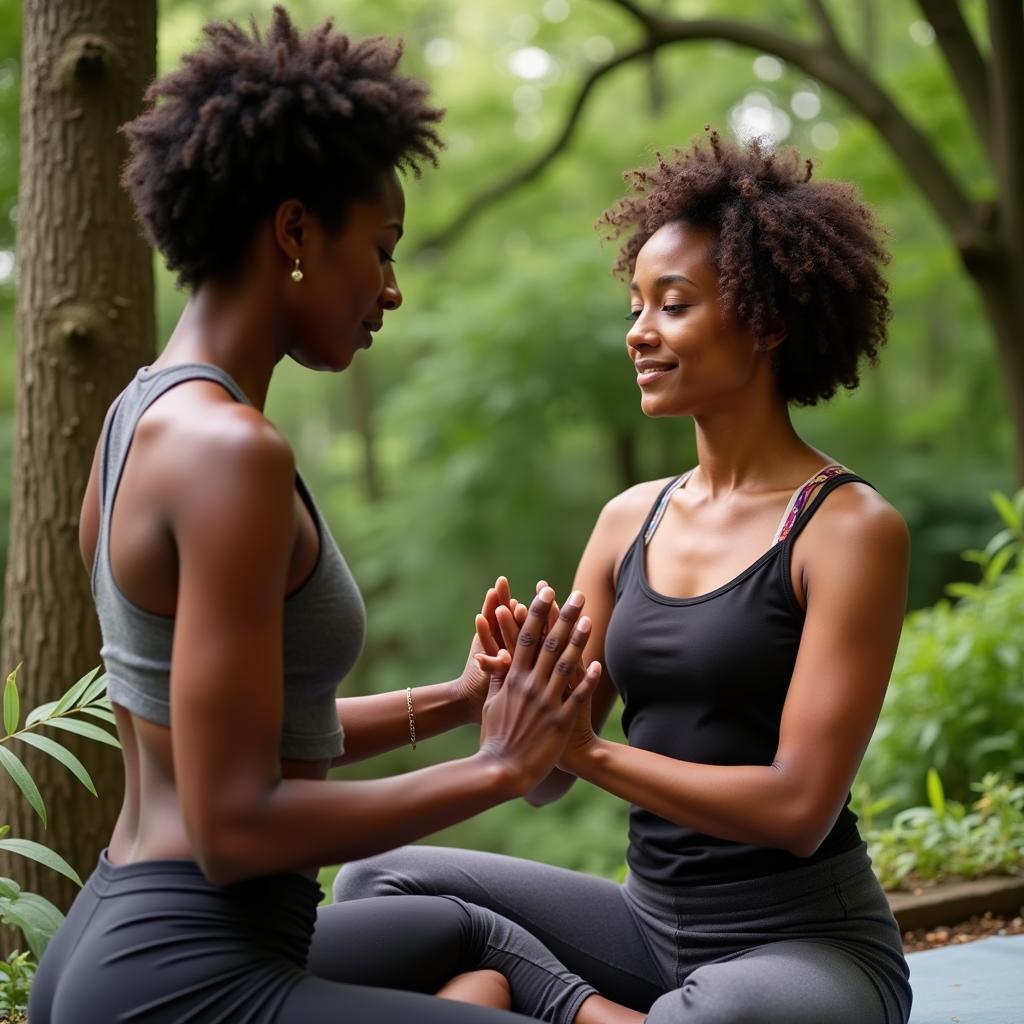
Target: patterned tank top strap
{"points": [[804, 495], [662, 504]]}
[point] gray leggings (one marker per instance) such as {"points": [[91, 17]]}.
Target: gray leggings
{"points": [[813, 945]]}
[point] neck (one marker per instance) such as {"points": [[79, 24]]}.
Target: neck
{"points": [[755, 448], [231, 324]]}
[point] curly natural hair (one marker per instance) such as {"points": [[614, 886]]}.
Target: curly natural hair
{"points": [[250, 120], [792, 255]]}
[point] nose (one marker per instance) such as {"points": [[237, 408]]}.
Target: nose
{"points": [[641, 335], [391, 294]]}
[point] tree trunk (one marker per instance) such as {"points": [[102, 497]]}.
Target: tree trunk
{"points": [[1004, 304], [85, 321]]}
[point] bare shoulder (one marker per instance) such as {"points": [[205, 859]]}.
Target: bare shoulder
{"points": [[856, 516], [214, 451], [628, 509], [617, 525]]}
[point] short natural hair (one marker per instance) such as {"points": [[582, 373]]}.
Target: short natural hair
{"points": [[793, 255], [250, 120]]}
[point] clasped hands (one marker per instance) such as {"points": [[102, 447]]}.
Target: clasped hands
{"points": [[530, 684]]}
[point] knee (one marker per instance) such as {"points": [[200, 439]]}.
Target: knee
{"points": [[382, 875], [701, 1001]]}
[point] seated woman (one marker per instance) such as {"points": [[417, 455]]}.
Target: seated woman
{"points": [[749, 610], [264, 171]]}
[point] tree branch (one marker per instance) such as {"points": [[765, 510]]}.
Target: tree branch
{"points": [[831, 68], [824, 20], [491, 195], [965, 61], [648, 19], [1006, 28]]}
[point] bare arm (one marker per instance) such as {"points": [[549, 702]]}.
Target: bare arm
{"points": [[234, 528], [379, 722], [856, 593]]}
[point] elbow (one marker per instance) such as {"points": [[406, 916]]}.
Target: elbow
{"points": [[220, 849], [805, 832]]}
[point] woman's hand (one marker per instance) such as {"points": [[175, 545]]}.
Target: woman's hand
{"points": [[509, 620], [474, 683], [532, 704]]}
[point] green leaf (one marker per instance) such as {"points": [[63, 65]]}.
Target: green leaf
{"points": [[95, 689], [1006, 510], [40, 713], [94, 732], [9, 888], [1000, 540], [75, 692], [24, 782], [104, 714], [12, 705], [62, 754], [1000, 560], [41, 854], [936, 794], [36, 916]]}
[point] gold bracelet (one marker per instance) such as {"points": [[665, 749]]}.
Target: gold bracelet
{"points": [[412, 716]]}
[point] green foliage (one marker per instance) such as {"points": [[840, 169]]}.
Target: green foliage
{"points": [[16, 975], [956, 697], [36, 916], [944, 839]]}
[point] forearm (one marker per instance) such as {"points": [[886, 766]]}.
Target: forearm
{"points": [[379, 722], [759, 804], [304, 823]]}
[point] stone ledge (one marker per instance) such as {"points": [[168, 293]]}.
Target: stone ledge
{"points": [[950, 903]]}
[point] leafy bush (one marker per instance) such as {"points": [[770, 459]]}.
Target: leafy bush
{"points": [[16, 975], [956, 697], [944, 839], [36, 916]]}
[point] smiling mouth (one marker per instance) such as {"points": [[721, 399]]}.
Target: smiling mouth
{"points": [[648, 373]]}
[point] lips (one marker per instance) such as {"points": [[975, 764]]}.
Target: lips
{"points": [[650, 370], [371, 327]]}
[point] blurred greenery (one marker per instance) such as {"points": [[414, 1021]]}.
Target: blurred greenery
{"points": [[503, 411]]}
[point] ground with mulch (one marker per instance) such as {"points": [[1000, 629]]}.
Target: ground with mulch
{"points": [[981, 926]]}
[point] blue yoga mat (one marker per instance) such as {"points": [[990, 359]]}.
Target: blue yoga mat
{"points": [[977, 983]]}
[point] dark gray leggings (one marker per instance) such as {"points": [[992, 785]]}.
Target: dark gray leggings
{"points": [[155, 943], [810, 946]]}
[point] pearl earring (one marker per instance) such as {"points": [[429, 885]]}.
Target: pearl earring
{"points": [[297, 274]]}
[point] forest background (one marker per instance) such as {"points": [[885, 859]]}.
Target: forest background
{"points": [[496, 413]]}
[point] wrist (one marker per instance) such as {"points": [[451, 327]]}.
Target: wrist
{"points": [[457, 696], [581, 760], [498, 776]]}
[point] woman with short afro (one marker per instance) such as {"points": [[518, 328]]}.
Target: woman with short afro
{"points": [[746, 610], [265, 171]]}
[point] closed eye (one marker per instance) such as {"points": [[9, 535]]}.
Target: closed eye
{"points": [[674, 308], [386, 257]]}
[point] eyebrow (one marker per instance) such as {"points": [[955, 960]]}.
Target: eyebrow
{"points": [[398, 229], [663, 280]]}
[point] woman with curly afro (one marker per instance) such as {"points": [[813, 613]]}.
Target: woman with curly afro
{"points": [[264, 170], [746, 610]]}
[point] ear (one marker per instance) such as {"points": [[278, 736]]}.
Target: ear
{"points": [[770, 342], [290, 222]]}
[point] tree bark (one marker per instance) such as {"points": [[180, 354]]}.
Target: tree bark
{"points": [[85, 322]]}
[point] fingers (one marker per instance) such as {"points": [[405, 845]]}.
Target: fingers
{"points": [[508, 628], [580, 694], [553, 617], [563, 674], [530, 635], [486, 635], [558, 635]]}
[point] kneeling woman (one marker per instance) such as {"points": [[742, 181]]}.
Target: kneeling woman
{"points": [[747, 611]]}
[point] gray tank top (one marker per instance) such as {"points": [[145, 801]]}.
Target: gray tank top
{"points": [[324, 621]]}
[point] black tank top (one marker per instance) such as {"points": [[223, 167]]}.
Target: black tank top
{"points": [[704, 679]]}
